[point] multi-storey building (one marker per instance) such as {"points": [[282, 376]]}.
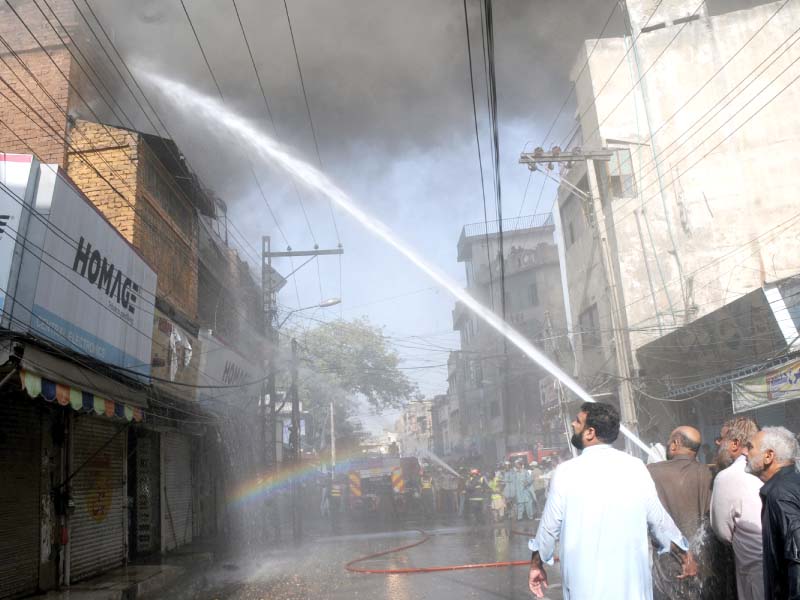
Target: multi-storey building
{"points": [[129, 324], [415, 428], [691, 211], [496, 386]]}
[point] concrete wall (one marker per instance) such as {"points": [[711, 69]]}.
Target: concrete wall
{"points": [[711, 223], [587, 284]]}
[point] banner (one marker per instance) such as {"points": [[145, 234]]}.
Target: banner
{"points": [[765, 389]]}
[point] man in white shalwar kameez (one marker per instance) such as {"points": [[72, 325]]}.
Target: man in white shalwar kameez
{"points": [[600, 506]]}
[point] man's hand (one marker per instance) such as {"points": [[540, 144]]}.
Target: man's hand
{"points": [[689, 566], [537, 577]]}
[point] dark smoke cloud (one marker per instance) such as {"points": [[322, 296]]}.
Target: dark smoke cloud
{"points": [[389, 89]]}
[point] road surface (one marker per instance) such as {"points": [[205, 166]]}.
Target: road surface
{"points": [[316, 568]]}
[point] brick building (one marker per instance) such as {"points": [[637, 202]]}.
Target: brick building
{"points": [[168, 471]]}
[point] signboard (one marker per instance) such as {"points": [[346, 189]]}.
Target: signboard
{"points": [[771, 387], [79, 283], [94, 293], [221, 365], [15, 170]]}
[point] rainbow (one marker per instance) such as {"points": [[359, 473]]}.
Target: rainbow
{"points": [[262, 487]]}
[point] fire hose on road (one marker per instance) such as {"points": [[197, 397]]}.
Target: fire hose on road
{"points": [[416, 570]]}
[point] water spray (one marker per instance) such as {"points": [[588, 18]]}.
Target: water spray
{"points": [[270, 150], [430, 455]]}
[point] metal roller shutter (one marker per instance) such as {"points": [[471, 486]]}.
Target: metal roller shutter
{"points": [[20, 452], [97, 539], [177, 496]]}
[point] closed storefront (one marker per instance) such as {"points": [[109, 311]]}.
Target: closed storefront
{"points": [[144, 483], [99, 522], [176, 510], [20, 459], [205, 467]]}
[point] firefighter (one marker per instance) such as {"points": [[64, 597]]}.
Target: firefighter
{"points": [[477, 490], [498, 503], [427, 492]]}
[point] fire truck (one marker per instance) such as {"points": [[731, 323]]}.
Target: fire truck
{"points": [[388, 485], [536, 454]]}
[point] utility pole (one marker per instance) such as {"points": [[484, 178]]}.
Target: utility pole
{"points": [[333, 444], [593, 209], [271, 283], [295, 445]]}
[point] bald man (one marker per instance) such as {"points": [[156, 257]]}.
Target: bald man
{"points": [[684, 488]]}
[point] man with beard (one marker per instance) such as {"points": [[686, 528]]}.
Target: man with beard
{"points": [[771, 457], [736, 506], [684, 488], [600, 505]]}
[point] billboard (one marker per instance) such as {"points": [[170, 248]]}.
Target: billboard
{"points": [[765, 389], [220, 365], [81, 284], [15, 170]]}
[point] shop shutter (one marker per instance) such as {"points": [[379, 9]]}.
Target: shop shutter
{"points": [[98, 524], [177, 496], [20, 452], [148, 485]]}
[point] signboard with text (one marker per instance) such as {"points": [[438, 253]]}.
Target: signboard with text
{"points": [[78, 282], [771, 387]]}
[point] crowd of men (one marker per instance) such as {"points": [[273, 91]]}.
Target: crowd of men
{"points": [[727, 530]]}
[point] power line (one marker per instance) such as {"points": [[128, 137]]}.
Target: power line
{"points": [[579, 118], [480, 159], [495, 138], [56, 133], [202, 51], [614, 4], [642, 76], [308, 111], [726, 100]]}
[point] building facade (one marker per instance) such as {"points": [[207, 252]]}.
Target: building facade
{"points": [[495, 386], [415, 428], [131, 330], [691, 209]]}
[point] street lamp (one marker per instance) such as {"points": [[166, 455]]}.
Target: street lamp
{"points": [[323, 304]]}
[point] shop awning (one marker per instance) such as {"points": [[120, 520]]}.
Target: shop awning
{"points": [[68, 384]]}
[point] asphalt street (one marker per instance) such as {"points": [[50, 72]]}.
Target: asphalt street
{"points": [[316, 568]]}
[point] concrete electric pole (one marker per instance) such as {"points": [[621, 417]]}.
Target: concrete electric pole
{"points": [[592, 202]]}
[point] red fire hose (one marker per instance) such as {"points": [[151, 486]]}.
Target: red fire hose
{"points": [[408, 571]]}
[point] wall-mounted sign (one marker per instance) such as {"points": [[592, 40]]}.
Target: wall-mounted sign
{"points": [[771, 387], [15, 170], [80, 283]]}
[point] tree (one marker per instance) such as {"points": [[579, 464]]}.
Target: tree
{"points": [[359, 357]]}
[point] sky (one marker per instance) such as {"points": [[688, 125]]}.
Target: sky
{"points": [[388, 87]]}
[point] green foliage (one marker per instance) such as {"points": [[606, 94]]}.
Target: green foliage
{"points": [[360, 360]]}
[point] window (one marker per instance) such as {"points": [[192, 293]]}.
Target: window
{"points": [[570, 234], [621, 183], [155, 180], [589, 321], [533, 294], [494, 409]]}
